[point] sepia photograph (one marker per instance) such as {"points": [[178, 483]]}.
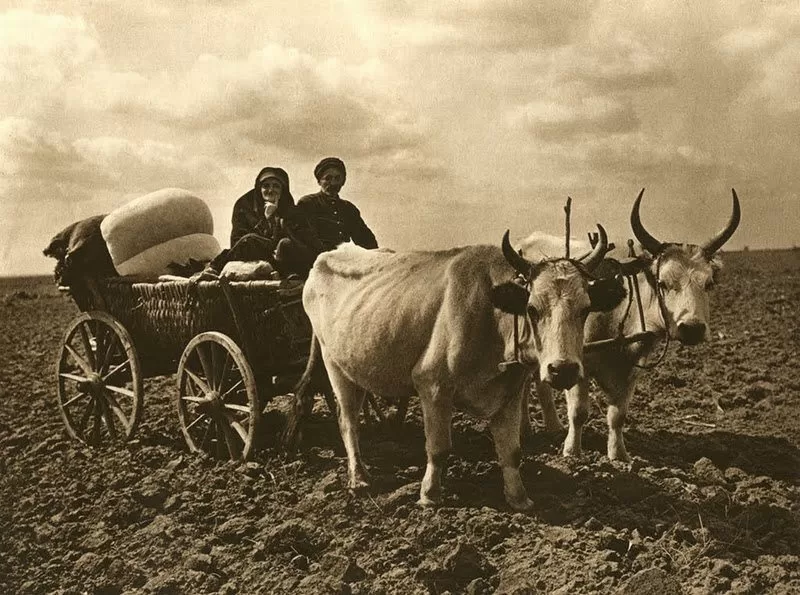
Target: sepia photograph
{"points": [[369, 297]]}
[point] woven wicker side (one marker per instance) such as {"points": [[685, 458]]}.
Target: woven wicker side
{"points": [[276, 328], [163, 317]]}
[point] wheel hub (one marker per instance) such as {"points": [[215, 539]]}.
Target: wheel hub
{"points": [[211, 404]]}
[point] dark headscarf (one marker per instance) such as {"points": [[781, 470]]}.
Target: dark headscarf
{"points": [[286, 201], [330, 162]]}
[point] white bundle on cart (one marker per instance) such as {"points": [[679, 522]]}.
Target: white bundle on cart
{"points": [[154, 231]]}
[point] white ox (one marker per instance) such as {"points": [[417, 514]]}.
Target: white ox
{"points": [[440, 324], [674, 289]]}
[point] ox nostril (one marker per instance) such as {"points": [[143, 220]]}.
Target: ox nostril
{"points": [[563, 374], [691, 333]]}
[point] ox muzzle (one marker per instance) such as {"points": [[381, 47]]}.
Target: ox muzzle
{"points": [[562, 374], [691, 332]]}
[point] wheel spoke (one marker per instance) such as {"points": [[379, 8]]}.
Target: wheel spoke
{"points": [[198, 381], [87, 345], [115, 369], [114, 406], [193, 399], [230, 438], [99, 344], [120, 391], [225, 370], [208, 434], [96, 422], [107, 354], [80, 395], [235, 407], [85, 418], [82, 363], [206, 364], [231, 389], [105, 410], [74, 377], [239, 429], [200, 418], [216, 369]]}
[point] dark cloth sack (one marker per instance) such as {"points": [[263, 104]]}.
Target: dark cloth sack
{"points": [[80, 251]]}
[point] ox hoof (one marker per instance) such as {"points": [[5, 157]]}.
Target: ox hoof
{"points": [[621, 456], [522, 505], [572, 451], [427, 502], [359, 480], [358, 485]]}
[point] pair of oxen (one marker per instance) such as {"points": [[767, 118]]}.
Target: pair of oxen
{"points": [[470, 327]]}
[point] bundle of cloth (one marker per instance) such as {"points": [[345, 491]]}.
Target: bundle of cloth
{"points": [[80, 251], [160, 233]]}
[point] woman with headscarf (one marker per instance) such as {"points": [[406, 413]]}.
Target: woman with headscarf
{"points": [[267, 226]]}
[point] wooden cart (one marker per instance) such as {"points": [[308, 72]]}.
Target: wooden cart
{"points": [[232, 345]]}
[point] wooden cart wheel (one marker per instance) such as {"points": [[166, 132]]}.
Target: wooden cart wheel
{"points": [[99, 380], [217, 397]]}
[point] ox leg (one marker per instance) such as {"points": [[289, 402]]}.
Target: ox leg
{"points": [[351, 399], [504, 426], [437, 416], [618, 382], [578, 412], [546, 401], [616, 414]]}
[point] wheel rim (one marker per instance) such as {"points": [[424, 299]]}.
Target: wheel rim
{"points": [[217, 399], [99, 380]]}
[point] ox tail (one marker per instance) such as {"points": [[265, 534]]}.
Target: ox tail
{"points": [[314, 380]]}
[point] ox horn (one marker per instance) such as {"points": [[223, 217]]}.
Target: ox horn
{"points": [[652, 245], [600, 249], [715, 243], [520, 264]]}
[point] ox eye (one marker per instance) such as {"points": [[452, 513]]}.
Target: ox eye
{"points": [[662, 286]]}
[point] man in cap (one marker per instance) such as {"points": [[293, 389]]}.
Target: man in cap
{"points": [[334, 219]]}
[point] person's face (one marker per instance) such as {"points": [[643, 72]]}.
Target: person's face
{"points": [[331, 181], [271, 190]]}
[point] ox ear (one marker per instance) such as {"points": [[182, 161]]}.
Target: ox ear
{"points": [[510, 297], [606, 294]]}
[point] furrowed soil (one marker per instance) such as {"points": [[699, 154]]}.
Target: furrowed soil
{"points": [[709, 504]]}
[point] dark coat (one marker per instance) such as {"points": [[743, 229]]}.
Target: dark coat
{"points": [[335, 220]]}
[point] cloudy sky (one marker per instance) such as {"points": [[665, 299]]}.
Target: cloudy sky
{"points": [[456, 122]]}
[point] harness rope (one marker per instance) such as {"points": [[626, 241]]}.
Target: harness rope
{"points": [[662, 309]]}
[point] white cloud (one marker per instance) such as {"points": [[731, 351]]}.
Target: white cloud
{"points": [[747, 41], [32, 157], [148, 164], [491, 25], [577, 117], [38, 54], [274, 97], [780, 85]]}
